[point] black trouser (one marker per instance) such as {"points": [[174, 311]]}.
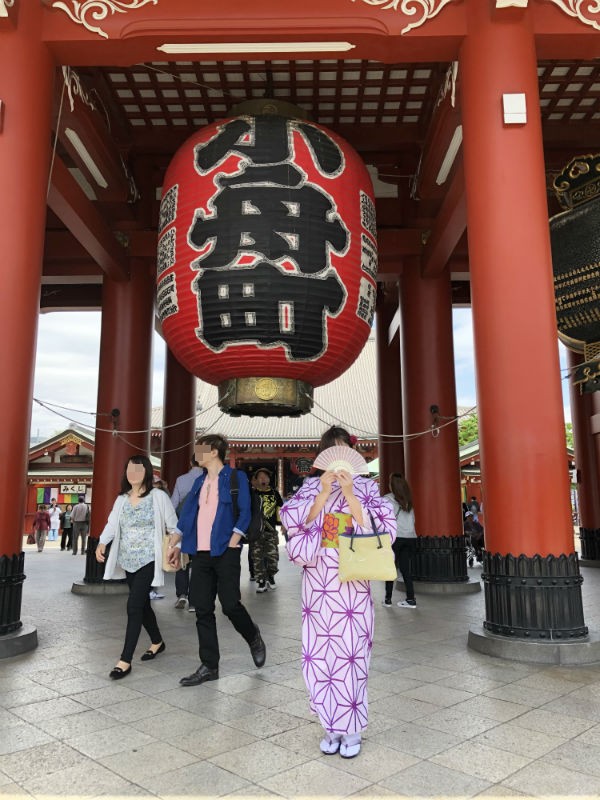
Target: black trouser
{"points": [[182, 581], [139, 610], [214, 576], [66, 538], [404, 552]]}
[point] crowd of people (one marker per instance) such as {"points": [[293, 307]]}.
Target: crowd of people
{"points": [[72, 523], [199, 531]]}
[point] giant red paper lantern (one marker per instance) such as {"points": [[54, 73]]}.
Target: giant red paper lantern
{"points": [[266, 260]]}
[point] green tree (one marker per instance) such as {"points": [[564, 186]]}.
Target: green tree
{"points": [[569, 434], [468, 429]]}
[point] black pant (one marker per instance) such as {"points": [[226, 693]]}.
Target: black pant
{"points": [[182, 581], [66, 538], [139, 610], [212, 576], [404, 552]]}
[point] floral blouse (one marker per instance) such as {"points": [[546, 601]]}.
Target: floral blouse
{"points": [[136, 546]]}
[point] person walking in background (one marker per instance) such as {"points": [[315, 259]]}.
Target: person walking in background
{"points": [[337, 618], [405, 544], [264, 551], [55, 512], [41, 526], [139, 519], [183, 486], [211, 526], [80, 517], [66, 522]]}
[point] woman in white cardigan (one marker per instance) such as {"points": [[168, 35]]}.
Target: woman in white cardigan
{"points": [[136, 525]]}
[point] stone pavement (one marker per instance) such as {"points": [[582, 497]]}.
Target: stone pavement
{"points": [[444, 721]]}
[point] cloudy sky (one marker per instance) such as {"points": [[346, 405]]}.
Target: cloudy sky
{"points": [[67, 368]]}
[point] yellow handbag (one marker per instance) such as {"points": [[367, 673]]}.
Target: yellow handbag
{"points": [[366, 558]]}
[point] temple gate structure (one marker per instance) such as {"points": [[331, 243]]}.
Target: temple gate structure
{"points": [[462, 109]]}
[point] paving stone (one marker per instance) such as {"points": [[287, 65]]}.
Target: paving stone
{"points": [[415, 740], [96, 779], [110, 741], [534, 745], [21, 737], [432, 780], [212, 739], [482, 761], [303, 781], [540, 719], [40, 761], [189, 782], [259, 760], [140, 763], [49, 709], [440, 696], [542, 779]]}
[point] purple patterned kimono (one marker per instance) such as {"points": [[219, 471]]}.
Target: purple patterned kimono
{"points": [[337, 618]]}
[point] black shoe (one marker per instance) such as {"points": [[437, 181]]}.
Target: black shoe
{"points": [[117, 673], [202, 674], [272, 584], [258, 649], [261, 587], [150, 654]]}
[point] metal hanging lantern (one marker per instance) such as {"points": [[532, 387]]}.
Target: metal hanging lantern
{"points": [[575, 238], [267, 257]]}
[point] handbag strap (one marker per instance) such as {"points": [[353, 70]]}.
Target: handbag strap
{"points": [[375, 531]]}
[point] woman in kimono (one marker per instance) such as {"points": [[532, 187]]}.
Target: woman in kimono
{"points": [[337, 618]]}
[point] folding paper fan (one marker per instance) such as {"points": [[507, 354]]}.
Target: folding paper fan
{"points": [[340, 457]]}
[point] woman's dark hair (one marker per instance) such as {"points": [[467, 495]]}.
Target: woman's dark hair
{"points": [[216, 442], [401, 491], [332, 436], [41, 507], [69, 506], [148, 476]]}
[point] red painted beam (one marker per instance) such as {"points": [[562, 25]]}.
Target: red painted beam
{"points": [[444, 123], [78, 214], [448, 229], [82, 131]]}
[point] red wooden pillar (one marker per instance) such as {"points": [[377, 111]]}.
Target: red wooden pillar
{"points": [[519, 389], [124, 383], [389, 386], [588, 488], [26, 78], [429, 394], [179, 420]]}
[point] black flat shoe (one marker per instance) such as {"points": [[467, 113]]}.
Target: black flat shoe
{"points": [[117, 673], [202, 674], [150, 654]]}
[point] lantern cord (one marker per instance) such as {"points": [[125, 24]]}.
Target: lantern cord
{"points": [[180, 79], [47, 406], [60, 108], [395, 437], [187, 445]]}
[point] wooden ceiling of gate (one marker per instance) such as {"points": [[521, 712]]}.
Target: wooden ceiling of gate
{"points": [[187, 94], [383, 110]]}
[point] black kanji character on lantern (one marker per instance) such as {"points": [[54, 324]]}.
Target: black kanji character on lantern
{"points": [[273, 222], [267, 306], [267, 139]]}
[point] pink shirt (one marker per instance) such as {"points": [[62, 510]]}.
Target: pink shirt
{"points": [[208, 500]]}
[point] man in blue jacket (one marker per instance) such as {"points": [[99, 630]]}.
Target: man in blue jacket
{"points": [[211, 527]]}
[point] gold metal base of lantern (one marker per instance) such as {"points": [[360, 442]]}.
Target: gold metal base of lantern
{"points": [[265, 397]]}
